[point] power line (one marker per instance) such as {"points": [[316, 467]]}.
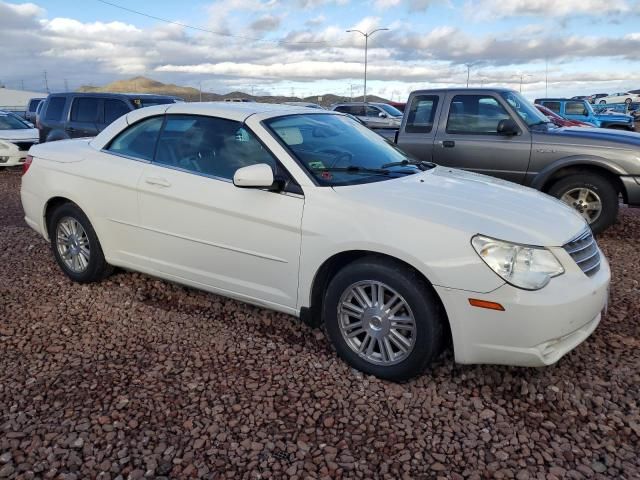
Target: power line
{"points": [[200, 29]]}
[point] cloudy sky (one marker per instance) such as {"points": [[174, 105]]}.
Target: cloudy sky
{"points": [[302, 47]]}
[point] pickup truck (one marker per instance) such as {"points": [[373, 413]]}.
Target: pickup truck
{"points": [[583, 111], [498, 132]]}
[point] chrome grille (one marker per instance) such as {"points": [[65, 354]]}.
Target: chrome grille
{"points": [[584, 250]]}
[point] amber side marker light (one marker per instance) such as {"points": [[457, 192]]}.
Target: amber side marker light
{"points": [[474, 302]]}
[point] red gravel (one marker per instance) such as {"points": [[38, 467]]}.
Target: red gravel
{"points": [[136, 377]]}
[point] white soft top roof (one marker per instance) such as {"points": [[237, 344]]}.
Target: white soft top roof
{"points": [[238, 111]]}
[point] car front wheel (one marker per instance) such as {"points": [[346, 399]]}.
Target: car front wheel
{"points": [[383, 318], [75, 245], [592, 195]]}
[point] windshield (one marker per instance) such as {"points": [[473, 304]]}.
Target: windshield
{"points": [[393, 111], [339, 151], [527, 111], [9, 122]]}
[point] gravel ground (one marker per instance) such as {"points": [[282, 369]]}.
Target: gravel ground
{"points": [[136, 377]]}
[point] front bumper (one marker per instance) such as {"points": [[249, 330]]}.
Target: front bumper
{"points": [[11, 157], [538, 327], [632, 187]]}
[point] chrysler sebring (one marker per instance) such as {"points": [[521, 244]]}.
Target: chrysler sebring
{"points": [[310, 213]]}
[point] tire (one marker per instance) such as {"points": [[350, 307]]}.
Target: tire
{"points": [[568, 187], [426, 338], [602, 102], [627, 101], [91, 267]]}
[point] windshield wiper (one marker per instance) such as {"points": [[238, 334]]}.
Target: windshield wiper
{"points": [[355, 169], [422, 165]]}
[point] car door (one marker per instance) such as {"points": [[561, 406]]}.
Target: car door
{"points": [[577, 110], [114, 108], [202, 229], [84, 117], [417, 134], [373, 118], [467, 137], [115, 171]]}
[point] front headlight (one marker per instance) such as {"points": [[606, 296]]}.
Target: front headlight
{"points": [[530, 268]]}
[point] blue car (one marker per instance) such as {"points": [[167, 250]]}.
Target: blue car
{"points": [[583, 111]]}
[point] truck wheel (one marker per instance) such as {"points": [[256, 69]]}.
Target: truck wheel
{"points": [[383, 319], [75, 245], [592, 195]]}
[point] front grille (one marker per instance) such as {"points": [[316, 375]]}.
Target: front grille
{"points": [[584, 250], [24, 146]]}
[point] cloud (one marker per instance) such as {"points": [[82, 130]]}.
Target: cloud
{"points": [[266, 23], [492, 9]]}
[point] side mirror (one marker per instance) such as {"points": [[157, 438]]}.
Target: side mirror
{"points": [[254, 176], [382, 115], [507, 127]]}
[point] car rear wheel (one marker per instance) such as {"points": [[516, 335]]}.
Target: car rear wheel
{"points": [[602, 102], [75, 245], [628, 101], [592, 195], [383, 319]]}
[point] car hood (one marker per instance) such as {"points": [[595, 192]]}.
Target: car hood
{"points": [[471, 203], [592, 137], [19, 134]]}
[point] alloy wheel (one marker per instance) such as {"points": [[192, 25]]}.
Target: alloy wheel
{"points": [[377, 323], [73, 244], [585, 201]]}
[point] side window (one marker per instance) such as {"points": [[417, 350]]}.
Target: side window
{"points": [[84, 110], [114, 109], [209, 146], [55, 108], [343, 109], [553, 106], [475, 114], [372, 111], [421, 114], [139, 140], [575, 108]]}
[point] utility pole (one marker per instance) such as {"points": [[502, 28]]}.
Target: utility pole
{"points": [[546, 76], [200, 89], [469, 65], [366, 48], [22, 84], [46, 82], [66, 85]]}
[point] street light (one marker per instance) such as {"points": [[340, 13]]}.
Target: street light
{"points": [[366, 48], [522, 75]]}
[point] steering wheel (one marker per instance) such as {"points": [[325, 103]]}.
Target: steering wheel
{"points": [[339, 156]]}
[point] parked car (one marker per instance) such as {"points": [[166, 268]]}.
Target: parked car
{"points": [[621, 97], [583, 111], [30, 112], [374, 115], [634, 110], [37, 116], [594, 98], [74, 115], [16, 138], [309, 213], [560, 121], [611, 109], [498, 132]]}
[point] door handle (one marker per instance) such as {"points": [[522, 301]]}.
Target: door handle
{"points": [[448, 143], [161, 182]]}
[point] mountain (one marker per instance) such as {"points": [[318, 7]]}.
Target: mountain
{"points": [[190, 94]]}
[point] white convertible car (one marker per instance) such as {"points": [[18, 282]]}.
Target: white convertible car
{"points": [[309, 213]]}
